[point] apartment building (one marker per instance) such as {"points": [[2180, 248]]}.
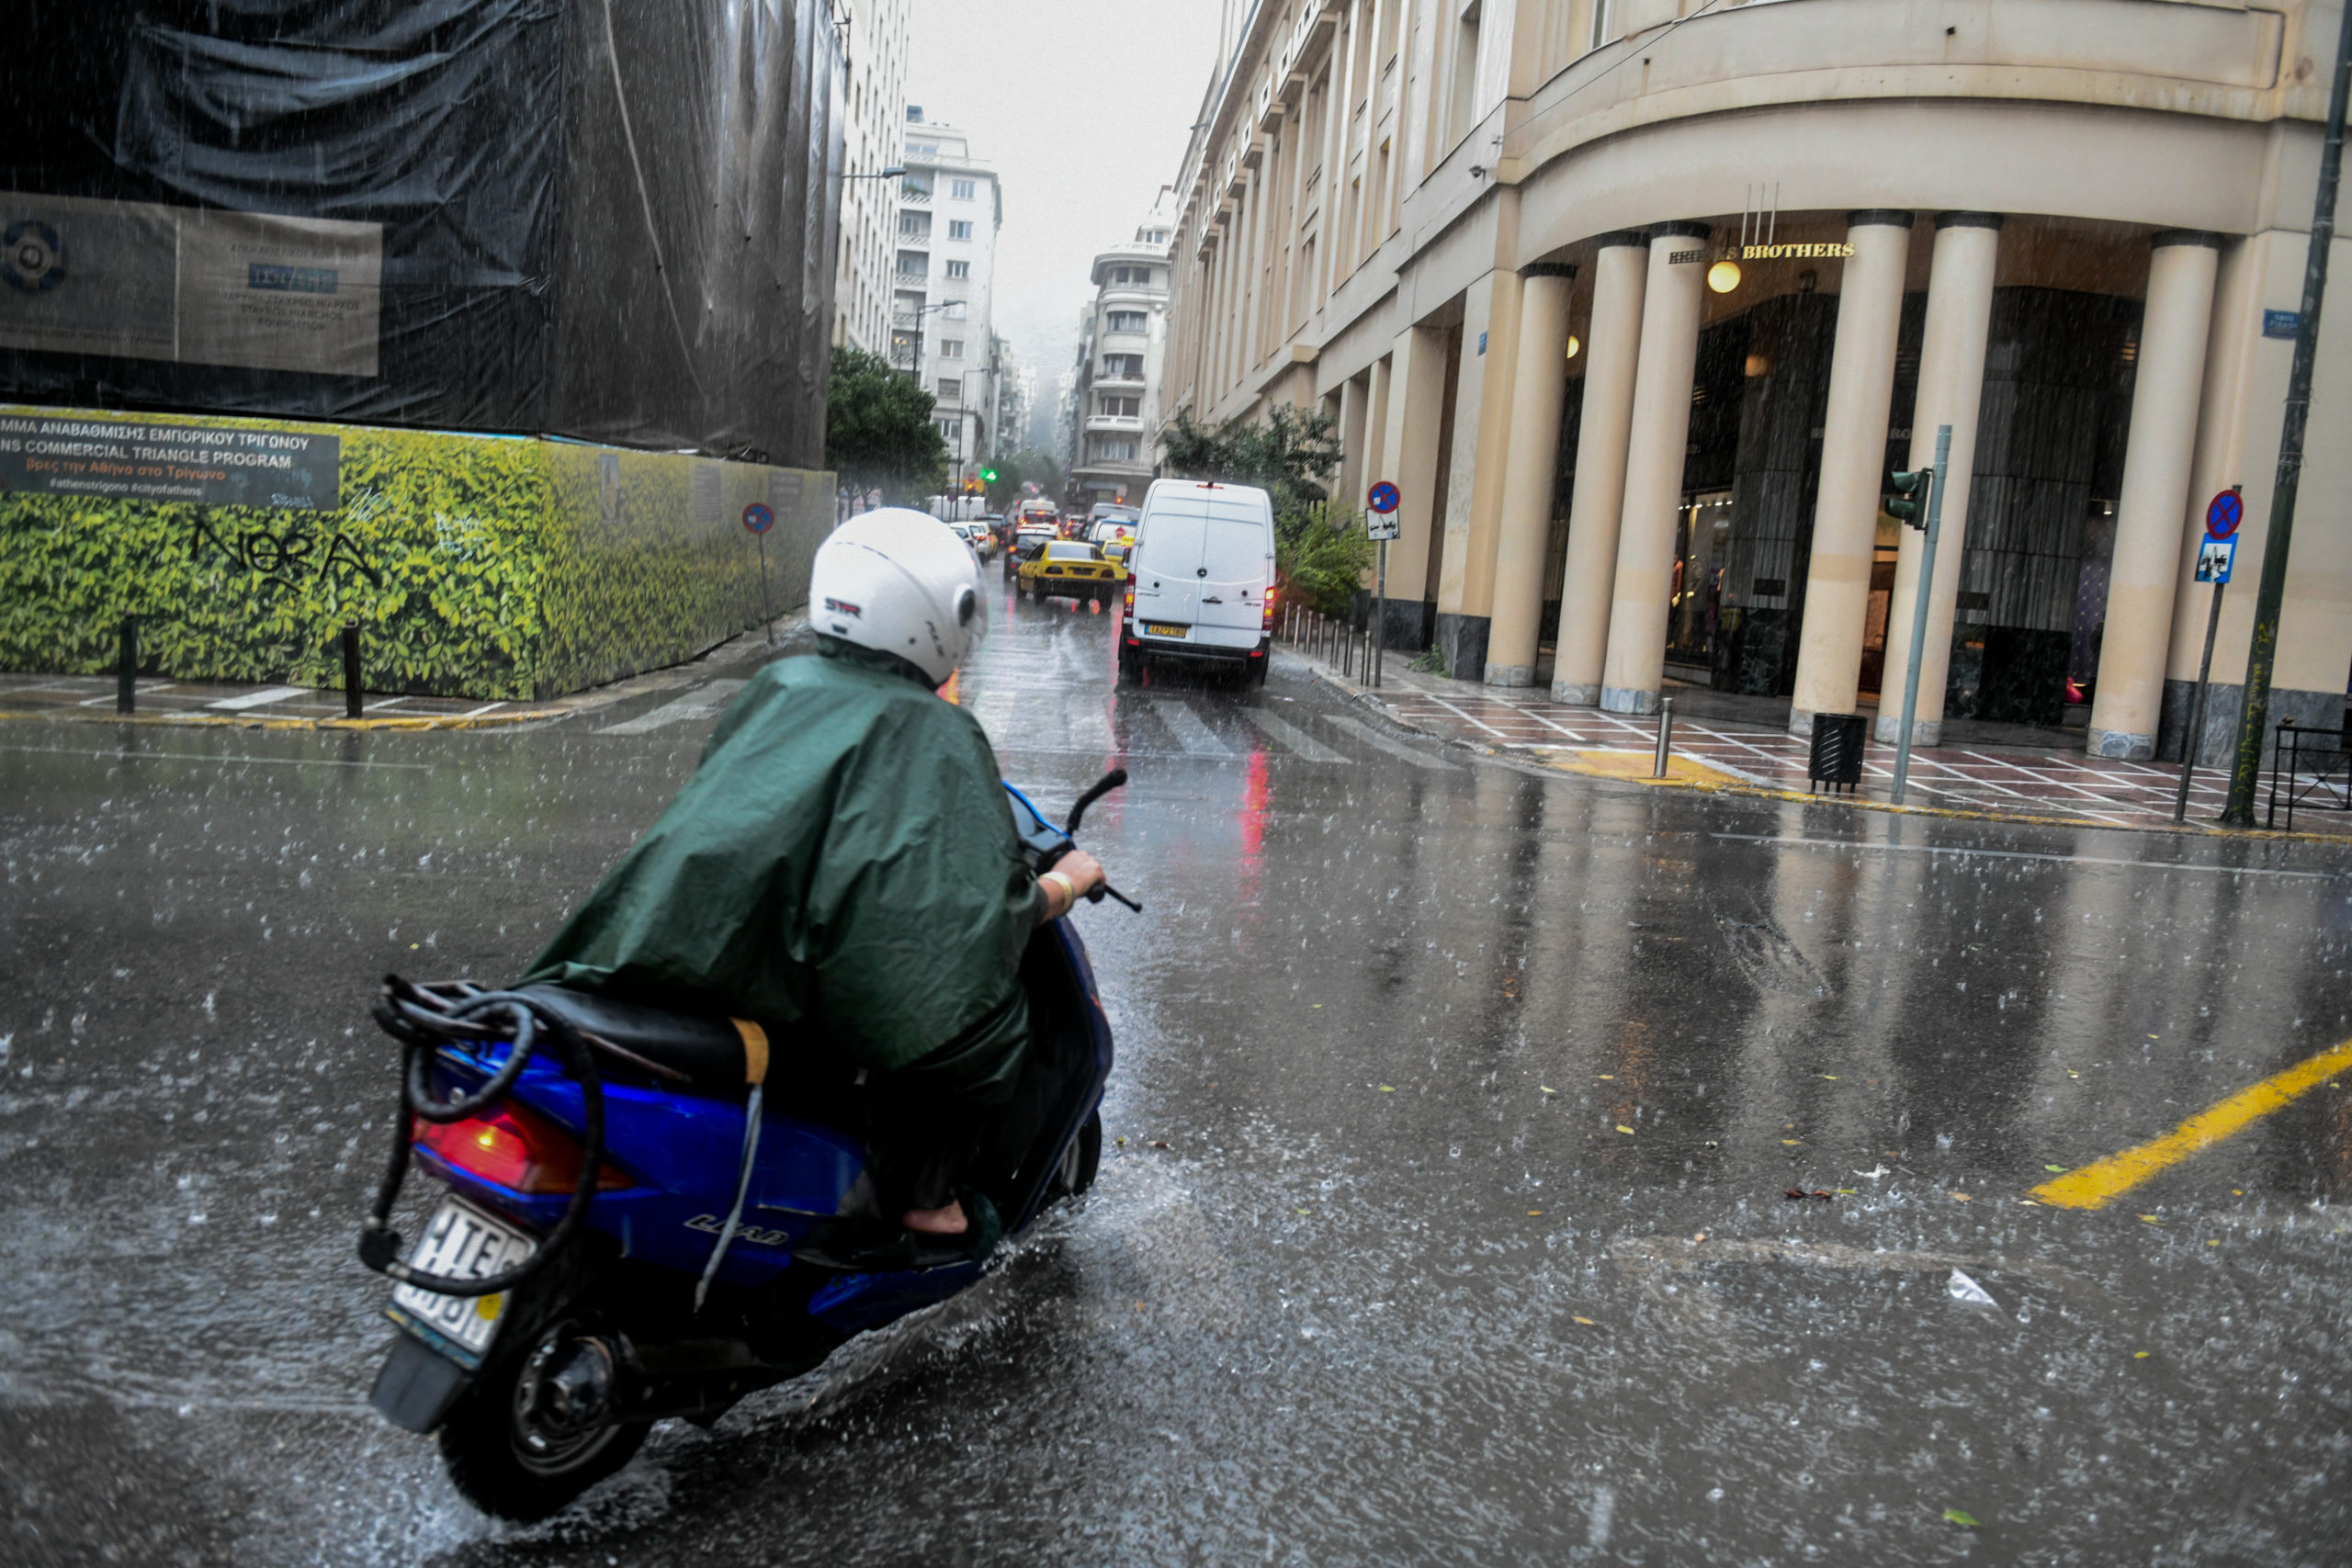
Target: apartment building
{"points": [[1639, 301], [874, 35], [1122, 352], [943, 286]]}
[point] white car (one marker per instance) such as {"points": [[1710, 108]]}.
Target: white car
{"points": [[1200, 578]]}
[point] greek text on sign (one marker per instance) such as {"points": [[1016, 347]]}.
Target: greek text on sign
{"points": [[208, 464]]}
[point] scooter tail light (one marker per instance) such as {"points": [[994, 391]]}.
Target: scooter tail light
{"points": [[513, 1147]]}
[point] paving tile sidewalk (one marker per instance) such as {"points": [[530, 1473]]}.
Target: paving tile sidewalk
{"points": [[2022, 783], [92, 698]]}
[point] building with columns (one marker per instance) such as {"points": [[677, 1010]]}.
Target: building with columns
{"points": [[1639, 301]]}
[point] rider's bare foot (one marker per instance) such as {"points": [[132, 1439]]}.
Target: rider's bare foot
{"points": [[949, 1221]]}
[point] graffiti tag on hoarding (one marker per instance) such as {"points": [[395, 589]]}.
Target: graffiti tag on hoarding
{"points": [[284, 557]]}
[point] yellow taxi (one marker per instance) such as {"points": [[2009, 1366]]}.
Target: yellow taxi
{"points": [[1067, 569]]}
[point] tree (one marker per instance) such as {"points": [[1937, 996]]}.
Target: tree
{"points": [[1320, 550], [1028, 465], [878, 433]]}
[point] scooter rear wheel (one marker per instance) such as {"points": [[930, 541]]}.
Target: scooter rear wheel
{"points": [[537, 1431], [1081, 1160]]}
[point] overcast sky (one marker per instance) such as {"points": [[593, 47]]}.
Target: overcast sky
{"points": [[1083, 106]]}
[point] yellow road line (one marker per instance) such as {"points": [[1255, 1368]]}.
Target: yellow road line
{"points": [[2094, 1186]]}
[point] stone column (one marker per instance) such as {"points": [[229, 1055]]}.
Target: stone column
{"points": [[1409, 449], [1539, 390], [2150, 514], [1613, 342], [1351, 480], [1654, 450], [1375, 425], [1853, 466], [1951, 385], [1474, 490]]}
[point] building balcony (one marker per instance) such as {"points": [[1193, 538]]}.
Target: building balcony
{"points": [[915, 196], [1125, 423], [1120, 380]]}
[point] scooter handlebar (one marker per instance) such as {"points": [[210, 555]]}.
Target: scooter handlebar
{"points": [[1103, 786]]}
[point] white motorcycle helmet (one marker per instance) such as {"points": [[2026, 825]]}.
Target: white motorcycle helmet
{"points": [[901, 582]]}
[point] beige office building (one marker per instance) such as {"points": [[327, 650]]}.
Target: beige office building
{"points": [[1639, 301]]}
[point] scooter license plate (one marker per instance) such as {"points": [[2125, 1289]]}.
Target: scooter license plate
{"points": [[464, 1241]]}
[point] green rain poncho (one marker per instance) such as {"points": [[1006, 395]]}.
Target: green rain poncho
{"points": [[842, 868]]}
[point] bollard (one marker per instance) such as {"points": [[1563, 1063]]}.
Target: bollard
{"points": [[351, 672], [126, 676], [1665, 736]]}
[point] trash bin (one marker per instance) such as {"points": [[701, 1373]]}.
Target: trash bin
{"points": [[1837, 751]]}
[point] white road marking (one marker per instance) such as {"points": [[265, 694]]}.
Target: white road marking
{"points": [[1284, 733], [2023, 854], [700, 702], [262, 698], [223, 757], [1380, 742], [1196, 738]]}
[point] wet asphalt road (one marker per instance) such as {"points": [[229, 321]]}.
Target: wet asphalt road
{"points": [[1453, 1064]]}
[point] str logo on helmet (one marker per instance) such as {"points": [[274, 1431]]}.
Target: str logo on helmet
{"points": [[841, 607]]}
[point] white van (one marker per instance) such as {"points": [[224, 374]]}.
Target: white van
{"points": [[1200, 578]]}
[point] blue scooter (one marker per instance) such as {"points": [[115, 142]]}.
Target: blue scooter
{"points": [[639, 1223]]}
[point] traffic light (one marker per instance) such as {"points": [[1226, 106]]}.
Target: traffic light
{"points": [[1910, 503], [989, 475]]}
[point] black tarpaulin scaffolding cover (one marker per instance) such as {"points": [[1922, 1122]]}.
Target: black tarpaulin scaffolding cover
{"points": [[605, 220]]}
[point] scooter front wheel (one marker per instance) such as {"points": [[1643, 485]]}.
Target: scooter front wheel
{"points": [[539, 1429]]}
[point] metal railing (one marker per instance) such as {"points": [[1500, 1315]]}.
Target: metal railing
{"points": [[2307, 766]]}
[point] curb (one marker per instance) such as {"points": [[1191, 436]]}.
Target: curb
{"points": [[222, 721], [651, 681], [1530, 754]]}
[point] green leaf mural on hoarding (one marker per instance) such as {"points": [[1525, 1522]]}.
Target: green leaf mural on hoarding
{"points": [[490, 567]]}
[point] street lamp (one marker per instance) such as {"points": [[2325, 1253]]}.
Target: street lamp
{"points": [[892, 173]]}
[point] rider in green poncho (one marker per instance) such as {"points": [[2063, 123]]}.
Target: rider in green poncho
{"points": [[842, 868]]}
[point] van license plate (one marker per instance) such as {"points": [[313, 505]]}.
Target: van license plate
{"points": [[464, 1241], [1162, 628]]}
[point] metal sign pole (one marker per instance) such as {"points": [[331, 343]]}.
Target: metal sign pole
{"points": [[2197, 707], [767, 614], [1380, 613], [1919, 615]]}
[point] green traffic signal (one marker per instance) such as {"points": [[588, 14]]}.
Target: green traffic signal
{"points": [[1910, 495], [988, 474]]}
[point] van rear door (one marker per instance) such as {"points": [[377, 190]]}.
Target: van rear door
{"points": [[1165, 568], [1237, 562]]}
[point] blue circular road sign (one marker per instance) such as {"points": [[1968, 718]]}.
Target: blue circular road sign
{"points": [[758, 518], [2224, 514], [1384, 497]]}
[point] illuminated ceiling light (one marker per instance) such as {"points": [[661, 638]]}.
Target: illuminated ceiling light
{"points": [[1576, 346], [1724, 277], [1758, 364]]}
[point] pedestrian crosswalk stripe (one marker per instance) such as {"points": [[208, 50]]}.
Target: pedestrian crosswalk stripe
{"points": [[700, 702], [1288, 734], [1191, 734], [1380, 742]]}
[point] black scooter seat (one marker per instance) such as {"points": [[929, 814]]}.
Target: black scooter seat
{"points": [[707, 1053]]}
